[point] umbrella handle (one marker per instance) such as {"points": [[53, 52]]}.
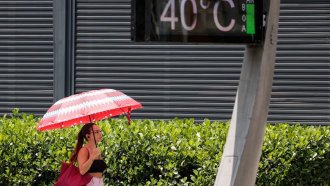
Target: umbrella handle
{"points": [[95, 139]]}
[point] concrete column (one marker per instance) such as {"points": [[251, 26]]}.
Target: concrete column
{"points": [[63, 48], [240, 159]]}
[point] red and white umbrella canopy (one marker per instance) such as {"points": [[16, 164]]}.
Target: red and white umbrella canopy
{"points": [[87, 107]]}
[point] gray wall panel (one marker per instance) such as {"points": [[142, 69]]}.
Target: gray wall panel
{"points": [[301, 90], [26, 56], [200, 81]]}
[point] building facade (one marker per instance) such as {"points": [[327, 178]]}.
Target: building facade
{"points": [[54, 48]]}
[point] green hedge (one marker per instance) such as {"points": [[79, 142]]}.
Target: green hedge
{"points": [[174, 152]]}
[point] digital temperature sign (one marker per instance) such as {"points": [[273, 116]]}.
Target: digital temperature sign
{"points": [[202, 21]]}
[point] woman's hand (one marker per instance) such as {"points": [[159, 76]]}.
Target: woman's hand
{"points": [[96, 153]]}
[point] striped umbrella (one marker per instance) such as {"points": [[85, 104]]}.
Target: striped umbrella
{"points": [[87, 107]]}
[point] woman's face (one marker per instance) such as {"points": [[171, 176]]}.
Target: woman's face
{"points": [[97, 133]]}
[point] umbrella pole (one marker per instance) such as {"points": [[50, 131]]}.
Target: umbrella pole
{"points": [[90, 120], [129, 116]]}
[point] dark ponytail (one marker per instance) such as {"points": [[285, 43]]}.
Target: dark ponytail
{"points": [[86, 129]]}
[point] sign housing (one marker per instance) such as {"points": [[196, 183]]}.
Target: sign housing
{"points": [[201, 21]]}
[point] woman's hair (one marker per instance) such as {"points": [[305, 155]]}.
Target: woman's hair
{"points": [[86, 129]]}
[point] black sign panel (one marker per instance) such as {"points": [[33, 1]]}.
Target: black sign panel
{"points": [[204, 21]]}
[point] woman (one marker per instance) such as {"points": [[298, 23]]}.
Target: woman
{"points": [[88, 155]]}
